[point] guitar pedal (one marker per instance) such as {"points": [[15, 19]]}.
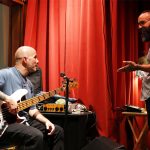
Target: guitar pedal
{"points": [[51, 107]]}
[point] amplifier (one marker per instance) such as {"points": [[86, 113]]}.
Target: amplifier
{"points": [[52, 107]]}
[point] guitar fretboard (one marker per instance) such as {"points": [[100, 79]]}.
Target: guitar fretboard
{"points": [[34, 100]]}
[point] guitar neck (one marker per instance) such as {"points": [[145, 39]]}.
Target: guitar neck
{"points": [[32, 101]]}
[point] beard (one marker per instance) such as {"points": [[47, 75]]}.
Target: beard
{"points": [[32, 69], [145, 34]]}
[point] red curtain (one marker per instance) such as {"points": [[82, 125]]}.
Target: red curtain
{"points": [[88, 40]]}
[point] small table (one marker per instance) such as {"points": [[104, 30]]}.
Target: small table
{"points": [[138, 138]]}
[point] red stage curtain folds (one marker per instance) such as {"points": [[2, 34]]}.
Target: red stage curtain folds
{"points": [[88, 40]]}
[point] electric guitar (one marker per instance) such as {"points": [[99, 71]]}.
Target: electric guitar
{"points": [[7, 117]]}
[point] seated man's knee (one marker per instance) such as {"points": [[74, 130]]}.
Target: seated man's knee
{"points": [[59, 131]]}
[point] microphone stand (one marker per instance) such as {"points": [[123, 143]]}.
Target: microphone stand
{"points": [[67, 95], [67, 80]]}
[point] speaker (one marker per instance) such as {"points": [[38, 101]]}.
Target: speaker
{"points": [[103, 143]]}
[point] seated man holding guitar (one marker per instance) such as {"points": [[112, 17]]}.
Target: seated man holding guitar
{"points": [[21, 123]]}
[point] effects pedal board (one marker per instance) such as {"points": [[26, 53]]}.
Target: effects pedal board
{"points": [[51, 107]]}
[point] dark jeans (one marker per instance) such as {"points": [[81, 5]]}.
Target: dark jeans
{"points": [[148, 110], [33, 137]]}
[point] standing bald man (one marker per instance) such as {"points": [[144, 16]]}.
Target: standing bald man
{"points": [[32, 133], [144, 26]]}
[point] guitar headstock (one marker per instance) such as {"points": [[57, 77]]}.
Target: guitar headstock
{"points": [[72, 84]]}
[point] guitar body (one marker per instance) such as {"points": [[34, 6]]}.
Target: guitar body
{"points": [[7, 116], [4, 110]]}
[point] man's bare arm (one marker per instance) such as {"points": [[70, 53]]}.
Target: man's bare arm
{"points": [[132, 66], [12, 104]]}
